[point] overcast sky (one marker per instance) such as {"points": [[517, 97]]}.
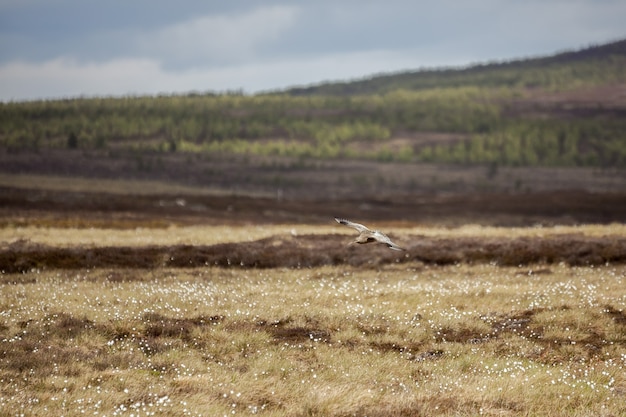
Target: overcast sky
{"points": [[67, 48]]}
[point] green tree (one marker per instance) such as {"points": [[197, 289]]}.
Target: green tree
{"points": [[72, 141]]}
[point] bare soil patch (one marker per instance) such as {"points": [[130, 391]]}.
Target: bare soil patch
{"points": [[595, 101]]}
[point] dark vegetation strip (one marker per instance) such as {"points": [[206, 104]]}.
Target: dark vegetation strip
{"points": [[312, 203], [318, 250]]}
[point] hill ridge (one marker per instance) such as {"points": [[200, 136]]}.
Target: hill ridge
{"points": [[367, 84]]}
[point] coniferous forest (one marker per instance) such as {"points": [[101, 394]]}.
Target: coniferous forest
{"points": [[566, 110]]}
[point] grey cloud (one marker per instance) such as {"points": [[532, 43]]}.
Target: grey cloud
{"points": [[217, 39], [304, 42]]}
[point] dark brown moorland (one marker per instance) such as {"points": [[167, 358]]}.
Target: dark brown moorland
{"points": [[52, 207], [246, 190]]}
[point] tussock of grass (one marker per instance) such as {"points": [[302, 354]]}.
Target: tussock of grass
{"points": [[404, 339]]}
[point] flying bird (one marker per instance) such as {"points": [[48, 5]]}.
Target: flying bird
{"points": [[367, 236]]}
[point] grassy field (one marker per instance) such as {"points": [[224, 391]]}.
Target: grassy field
{"points": [[388, 339], [177, 256]]}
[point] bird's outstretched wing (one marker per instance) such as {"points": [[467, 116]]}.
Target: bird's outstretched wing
{"points": [[368, 234], [383, 238], [359, 227]]}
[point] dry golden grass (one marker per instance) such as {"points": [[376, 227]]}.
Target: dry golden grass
{"points": [[397, 340], [444, 329], [211, 235], [172, 235]]}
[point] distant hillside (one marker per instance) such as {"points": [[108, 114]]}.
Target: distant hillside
{"points": [[567, 110], [593, 65]]}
